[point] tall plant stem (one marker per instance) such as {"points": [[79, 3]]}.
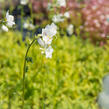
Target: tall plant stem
{"points": [[24, 70], [9, 103]]}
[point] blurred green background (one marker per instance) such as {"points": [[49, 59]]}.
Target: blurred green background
{"points": [[70, 80]]}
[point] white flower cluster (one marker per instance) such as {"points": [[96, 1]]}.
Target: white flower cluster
{"points": [[47, 36], [27, 25], [61, 3], [70, 29], [23, 2], [9, 22], [60, 17], [103, 99]]}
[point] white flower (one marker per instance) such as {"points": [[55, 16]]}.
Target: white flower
{"points": [[58, 18], [67, 14], [9, 19], [52, 30], [47, 36], [48, 32], [31, 26], [61, 3], [70, 29], [26, 25], [23, 2], [48, 52], [4, 28]]}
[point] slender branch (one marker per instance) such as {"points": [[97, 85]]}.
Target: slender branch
{"points": [[24, 70]]}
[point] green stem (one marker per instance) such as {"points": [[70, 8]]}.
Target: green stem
{"points": [[9, 103], [24, 70]]}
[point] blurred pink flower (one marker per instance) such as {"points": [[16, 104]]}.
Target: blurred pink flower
{"points": [[95, 15]]}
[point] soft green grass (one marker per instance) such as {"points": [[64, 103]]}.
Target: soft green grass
{"points": [[70, 80]]}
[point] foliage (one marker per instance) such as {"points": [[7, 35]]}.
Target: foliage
{"points": [[70, 80]]}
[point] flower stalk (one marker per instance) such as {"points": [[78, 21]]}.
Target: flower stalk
{"points": [[44, 40], [24, 70]]}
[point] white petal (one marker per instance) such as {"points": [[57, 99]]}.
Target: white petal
{"points": [[41, 42], [4, 28], [61, 3], [49, 52], [67, 14], [10, 19]]}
